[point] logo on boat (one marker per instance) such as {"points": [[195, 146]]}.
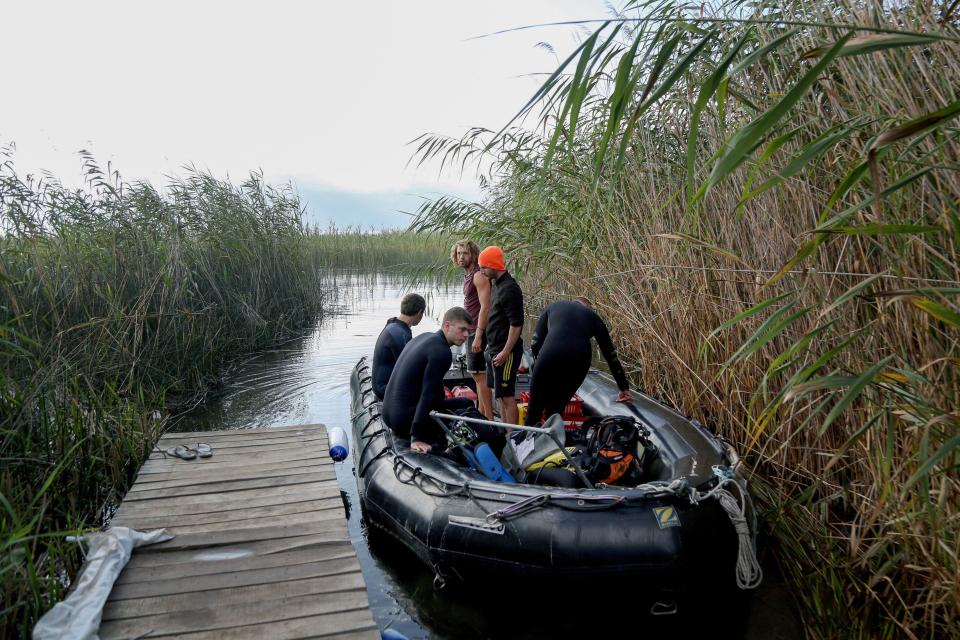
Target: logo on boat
{"points": [[666, 517]]}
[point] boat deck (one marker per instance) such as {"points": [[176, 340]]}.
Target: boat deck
{"points": [[261, 548]]}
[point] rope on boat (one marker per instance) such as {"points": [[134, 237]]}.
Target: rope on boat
{"points": [[749, 572], [532, 503]]}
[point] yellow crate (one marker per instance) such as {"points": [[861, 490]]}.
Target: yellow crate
{"points": [[521, 413]]}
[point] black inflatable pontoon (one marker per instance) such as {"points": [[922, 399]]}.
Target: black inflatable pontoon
{"points": [[671, 532]]}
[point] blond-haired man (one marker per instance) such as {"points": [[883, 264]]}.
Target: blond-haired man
{"points": [[476, 300]]}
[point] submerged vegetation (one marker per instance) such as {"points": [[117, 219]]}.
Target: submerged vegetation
{"points": [[764, 201], [119, 305]]}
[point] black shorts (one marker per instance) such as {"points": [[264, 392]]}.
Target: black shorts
{"points": [[476, 362], [503, 379]]}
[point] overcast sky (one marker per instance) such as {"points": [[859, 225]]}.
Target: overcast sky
{"points": [[324, 94]]}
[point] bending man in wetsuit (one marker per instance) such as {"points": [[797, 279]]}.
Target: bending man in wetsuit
{"points": [[476, 299], [561, 346], [393, 338], [416, 385]]}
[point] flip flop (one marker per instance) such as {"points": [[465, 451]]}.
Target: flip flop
{"points": [[203, 450], [185, 453]]}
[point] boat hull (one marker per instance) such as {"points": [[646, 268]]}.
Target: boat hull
{"points": [[442, 512]]}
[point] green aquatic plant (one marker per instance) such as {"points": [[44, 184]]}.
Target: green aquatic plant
{"points": [[764, 201], [119, 305]]}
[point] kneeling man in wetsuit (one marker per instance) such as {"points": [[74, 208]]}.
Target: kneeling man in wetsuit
{"points": [[393, 338], [416, 384], [561, 346]]}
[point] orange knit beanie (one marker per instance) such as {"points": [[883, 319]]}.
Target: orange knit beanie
{"points": [[492, 257]]}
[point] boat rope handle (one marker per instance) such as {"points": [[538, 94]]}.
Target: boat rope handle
{"points": [[363, 471], [583, 503], [518, 508]]}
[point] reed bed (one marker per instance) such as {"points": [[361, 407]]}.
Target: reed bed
{"points": [[379, 251], [119, 304], [763, 199]]}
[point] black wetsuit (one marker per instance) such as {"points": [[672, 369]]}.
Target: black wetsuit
{"points": [[561, 345], [390, 343], [506, 311], [416, 388]]}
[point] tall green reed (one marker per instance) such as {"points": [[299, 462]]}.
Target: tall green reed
{"points": [[763, 198], [119, 302], [382, 251]]}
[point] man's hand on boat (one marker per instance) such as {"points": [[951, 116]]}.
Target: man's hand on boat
{"points": [[420, 447], [624, 396]]}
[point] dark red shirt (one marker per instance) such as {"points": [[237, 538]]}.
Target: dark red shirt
{"points": [[471, 300]]}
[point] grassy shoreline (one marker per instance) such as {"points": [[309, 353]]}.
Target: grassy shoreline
{"points": [[764, 205], [117, 303]]}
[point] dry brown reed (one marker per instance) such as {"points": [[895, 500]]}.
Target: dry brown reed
{"points": [[837, 376]]}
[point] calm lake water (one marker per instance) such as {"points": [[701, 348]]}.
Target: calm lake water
{"points": [[307, 380]]}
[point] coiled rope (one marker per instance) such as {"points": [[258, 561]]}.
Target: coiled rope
{"points": [[749, 572]]}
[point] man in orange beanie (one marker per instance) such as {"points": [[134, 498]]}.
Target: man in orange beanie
{"points": [[504, 324]]}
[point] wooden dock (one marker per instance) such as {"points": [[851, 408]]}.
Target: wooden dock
{"points": [[261, 548]]}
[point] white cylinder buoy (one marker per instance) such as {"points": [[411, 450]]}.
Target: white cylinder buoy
{"points": [[339, 446]]}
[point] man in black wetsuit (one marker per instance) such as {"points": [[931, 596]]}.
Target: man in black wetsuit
{"points": [[561, 346], [393, 338], [416, 385], [504, 324]]}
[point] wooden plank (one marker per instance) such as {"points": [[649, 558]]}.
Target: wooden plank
{"points": [[259, 548], [216, 538], [248, 448], [172, 508], [150, 520], [172, 464], [280, 452], [212, 498], [178, 489], [146, 475], [231, 616], [304, 519], [307, 627], [227, 474], [318, 444], [121, 609], [245, 438], [205, 562], [259, 431], [130, 590]]}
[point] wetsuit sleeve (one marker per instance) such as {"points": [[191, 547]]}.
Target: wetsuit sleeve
{"points": [[423, 428], [609, 352], [540, 333], [514, 307]]}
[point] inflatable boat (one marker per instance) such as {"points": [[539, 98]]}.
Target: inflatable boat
{"points": [[684, 524]]}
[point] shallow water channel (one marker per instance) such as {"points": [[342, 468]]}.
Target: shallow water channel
{"points": [[307, 380]]}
